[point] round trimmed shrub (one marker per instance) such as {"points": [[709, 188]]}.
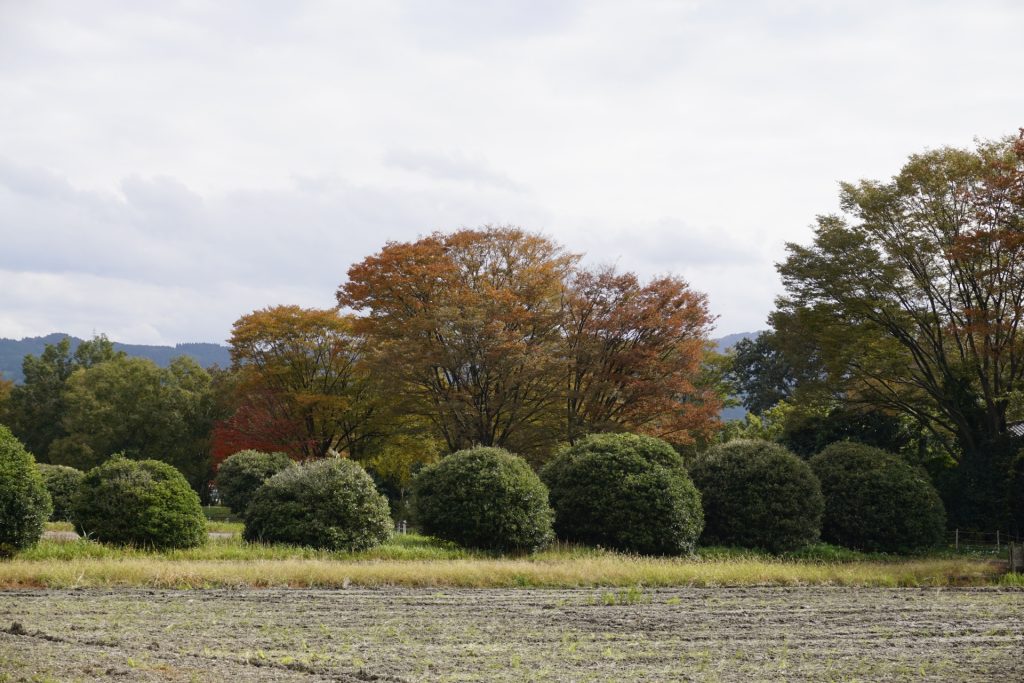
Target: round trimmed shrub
{"points": [[483, 498], [243, 473], [24, 503], [62, 483], [876, 501], [757, 494], [330, 504], [625, 491], [145, 503]]}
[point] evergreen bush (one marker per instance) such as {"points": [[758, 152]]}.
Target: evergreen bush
{"points": [[876, 501], [240, 475], [62, 483], [757, 494], [625, 491], [330, 504], [24, 502], [483, 498], [144, 503]]}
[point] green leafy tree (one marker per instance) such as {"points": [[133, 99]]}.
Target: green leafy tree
{"points": [[769, 425], [761, 372], [913, 300], [36, 407], [132, 406]]}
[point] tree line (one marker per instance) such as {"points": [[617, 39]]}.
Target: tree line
{"points": [[493, 337], [899, 327]]}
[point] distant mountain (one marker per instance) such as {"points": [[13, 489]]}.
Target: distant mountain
{"points": [[728, 341], [12, 351]]}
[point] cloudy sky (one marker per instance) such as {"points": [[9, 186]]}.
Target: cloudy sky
{"points": [[166, 167]]}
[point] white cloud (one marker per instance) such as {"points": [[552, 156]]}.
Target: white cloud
{"points": [[214, 157]]}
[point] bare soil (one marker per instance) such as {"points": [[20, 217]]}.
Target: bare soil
{"points": [[723, 634]]}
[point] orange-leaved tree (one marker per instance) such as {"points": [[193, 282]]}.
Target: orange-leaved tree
{"points": [[467, 329], [636, 352], [304, 384]]}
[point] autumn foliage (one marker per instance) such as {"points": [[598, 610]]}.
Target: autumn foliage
{"points": [[499, 338], [634, 353], [302, 386]]}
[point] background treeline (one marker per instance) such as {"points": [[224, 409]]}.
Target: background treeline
{"points": [[13, 352], [900, 327], [493, 337]]}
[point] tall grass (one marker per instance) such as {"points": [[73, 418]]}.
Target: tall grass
{"points": [[417, 561], [399, 548], [611, 571]]}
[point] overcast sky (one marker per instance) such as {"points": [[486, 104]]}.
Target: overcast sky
{"points": [[167, 167]]}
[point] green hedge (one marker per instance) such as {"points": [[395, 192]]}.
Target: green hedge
{"points": [[627, 492], [24, 502], [876, 501], [757, 494], [483, 498], [330, 504], [240, 475], [143, 503], [62, 483]]}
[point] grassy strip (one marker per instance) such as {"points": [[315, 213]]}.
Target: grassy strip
{"points": [[418, 561], [609, 571]]}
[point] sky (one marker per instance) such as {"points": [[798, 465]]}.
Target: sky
{"points": [[168, 167]]}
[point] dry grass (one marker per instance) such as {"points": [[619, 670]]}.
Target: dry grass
{"points": [[418, 561], [611, 571]]}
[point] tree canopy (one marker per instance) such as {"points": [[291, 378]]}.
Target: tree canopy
{"points": [[913, 300], [134, 407], [36, 407], [305, 388], [499, 338]]}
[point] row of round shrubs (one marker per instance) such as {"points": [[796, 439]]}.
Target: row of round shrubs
{"points": [[633, 493], [620, 491]]}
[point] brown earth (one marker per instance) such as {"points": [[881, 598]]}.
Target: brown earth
{"points": [[734, 634]]}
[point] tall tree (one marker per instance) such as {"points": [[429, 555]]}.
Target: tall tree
{"points": [[635, 353], [36, 407], [916, 298], [132, 406], [762, 373], [467, 327], [304, 382]]}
